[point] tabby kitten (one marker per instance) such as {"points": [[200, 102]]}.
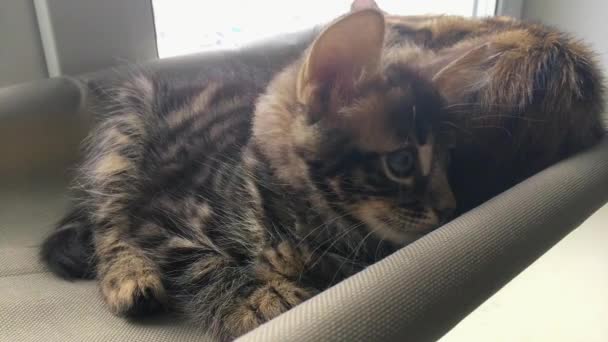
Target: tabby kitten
{"points": [[235, 207], [194, 202]]}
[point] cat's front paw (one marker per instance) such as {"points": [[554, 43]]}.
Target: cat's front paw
{"points": [[285, 260], [264, 304], [133, 293]]}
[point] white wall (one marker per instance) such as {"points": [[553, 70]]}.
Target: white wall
{"points": [[21, 57], [86, 35], [90, 35], [586, 19], [510, 8]]}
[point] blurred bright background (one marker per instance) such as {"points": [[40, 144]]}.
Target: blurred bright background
{"points": [[189, 26]]}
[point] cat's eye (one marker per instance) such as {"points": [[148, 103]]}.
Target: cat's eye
{"points": [[400, 163]]}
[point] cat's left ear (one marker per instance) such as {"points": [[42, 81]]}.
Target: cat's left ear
{"points": [[339, 57]]}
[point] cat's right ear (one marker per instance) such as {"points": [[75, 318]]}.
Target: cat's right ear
{"points": [[358, 5], [343, 53]]}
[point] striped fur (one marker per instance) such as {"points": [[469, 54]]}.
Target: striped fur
{"points": [[519, 96], [233, 200]]}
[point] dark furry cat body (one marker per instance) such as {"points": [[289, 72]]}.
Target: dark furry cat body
{"points": [[234, 218], [234, 207]]}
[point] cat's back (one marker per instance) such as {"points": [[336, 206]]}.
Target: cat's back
{"points": [[176, 134], [196, 125]]}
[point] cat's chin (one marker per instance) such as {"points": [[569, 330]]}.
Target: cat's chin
{"points": [[401, 234], [396, 224], [400, 238]]}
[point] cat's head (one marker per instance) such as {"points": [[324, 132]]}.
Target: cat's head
{"points": [[356, 128]]}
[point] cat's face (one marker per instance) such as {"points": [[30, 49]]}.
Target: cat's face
{"points": [[379, 158], [360, 132]]}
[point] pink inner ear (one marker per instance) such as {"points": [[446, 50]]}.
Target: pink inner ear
{"points": [[335, 82], [331, 72], [363, 4], [335, 75], [333, 67]]}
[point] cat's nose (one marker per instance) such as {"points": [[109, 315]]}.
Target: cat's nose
{"points": [[445, 206], [442, 197], [445, 214]]}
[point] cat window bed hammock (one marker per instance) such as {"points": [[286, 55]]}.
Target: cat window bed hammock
{"points": [[417, 294]]}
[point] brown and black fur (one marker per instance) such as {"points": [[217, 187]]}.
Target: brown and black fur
{"points": [[519, 96], [234, 207]]}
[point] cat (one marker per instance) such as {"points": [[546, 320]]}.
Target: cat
{"points": [[235, 207], [307, 193]]}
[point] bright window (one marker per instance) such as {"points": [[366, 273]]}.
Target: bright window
{"points": [[190, 26]]}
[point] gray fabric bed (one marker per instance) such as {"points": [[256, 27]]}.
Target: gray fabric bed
{"points": [[417, 294]]}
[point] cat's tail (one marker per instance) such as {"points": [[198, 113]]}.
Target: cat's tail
{"points": [[68, 251]]}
